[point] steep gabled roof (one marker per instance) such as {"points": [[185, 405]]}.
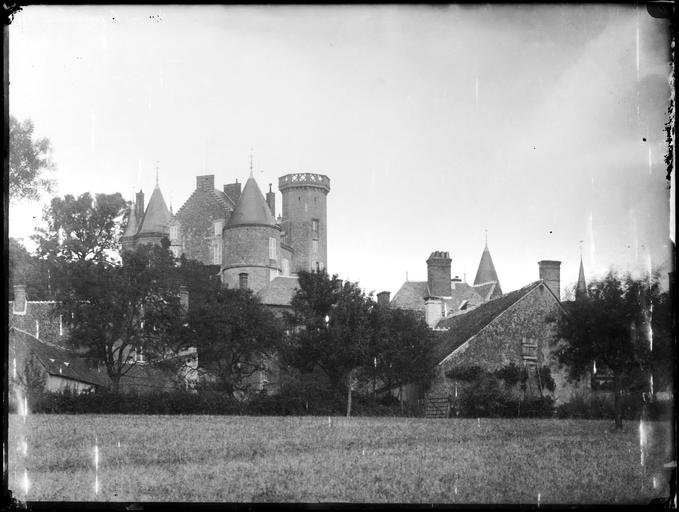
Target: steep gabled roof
{"points": [[279, 292], [59, 361], [462, 327], [157, 216], [214, 195], [412, 295], [486, 272], [252, 208]]}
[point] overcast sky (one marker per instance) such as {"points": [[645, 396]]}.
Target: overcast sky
{"points": [[543, 125]]}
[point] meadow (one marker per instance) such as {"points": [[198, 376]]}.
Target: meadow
{"points": [[321, 459]]}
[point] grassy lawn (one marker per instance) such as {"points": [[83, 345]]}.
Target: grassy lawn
{"points": [[303, 459]]}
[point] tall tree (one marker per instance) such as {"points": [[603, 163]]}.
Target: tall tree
{"points": [[236, 336], [27, 269], [114, 310], [330, 327], [28, 159], [611, 327], [82, 228], [400, 352]]}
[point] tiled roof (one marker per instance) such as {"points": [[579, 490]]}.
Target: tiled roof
{"points": [[486, 272], [488, 291], [462, 327], [224, 199], [411, 296], [199, 194], [58, 361], [252, 208], [279, 292], [157, 216]]}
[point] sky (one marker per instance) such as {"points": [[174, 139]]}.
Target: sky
{"points": [[540, 126]]}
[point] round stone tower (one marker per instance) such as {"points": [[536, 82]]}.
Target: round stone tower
{"points": [[305, 219], [251, 242]]}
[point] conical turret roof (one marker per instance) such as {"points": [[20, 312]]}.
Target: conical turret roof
{"points": [[251, 208], [581, 288], [131, 228], [157, 216], [486, 272]]}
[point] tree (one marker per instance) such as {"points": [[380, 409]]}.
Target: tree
{"points": [[610, 327], [27, 269], [113, 311], [83, 228], [234, 333], [28, 158], [330, 327], [400, 349]]}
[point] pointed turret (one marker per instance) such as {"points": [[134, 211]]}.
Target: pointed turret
{"points": [[157, 216], [486, 272], [581, 288], [252, 208], [131, 228]]}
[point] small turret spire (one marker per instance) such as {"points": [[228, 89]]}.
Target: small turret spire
{"points": [[581, 287]]}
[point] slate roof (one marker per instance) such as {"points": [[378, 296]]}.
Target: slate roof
{"points": [[488, 291], [411, 296], [462, 327], [486, 272], [157, 216], [279, 292], [131, 228], [220, 197], [59, 361], [252, 208]]}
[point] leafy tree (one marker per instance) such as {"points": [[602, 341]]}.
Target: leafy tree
{"points": [[28, 158], [112, 311], [330, 327], [27, 269], [83, 228], [611, 327], [235, 335], [400, 349]]}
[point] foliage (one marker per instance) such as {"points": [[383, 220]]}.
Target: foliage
{"points": [[399, 351], [28, 159], [26, 269], [114, 311], [610, 326], [330, 327], [601, 406], [235, 336], [82, 229], [465, 373]]}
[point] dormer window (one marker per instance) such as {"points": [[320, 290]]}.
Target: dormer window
{"points": [[174, 232]]}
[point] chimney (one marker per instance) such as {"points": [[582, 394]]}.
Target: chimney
{"points": [[184, 297], [233, 191], [550, 273], [438, 274], [139, 206], [206, 182], [383, 298], [19, 298], [271, 201]]}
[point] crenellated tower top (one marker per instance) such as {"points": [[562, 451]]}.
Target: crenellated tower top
{"points": [[304, 179]]}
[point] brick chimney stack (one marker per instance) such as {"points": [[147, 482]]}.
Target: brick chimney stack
{"points": [[383, 298], [438, 274], [19, 298], [550, 273], [139, 206], [271, 200], [206, 182]]}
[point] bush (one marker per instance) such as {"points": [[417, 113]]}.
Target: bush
{"points": [[601, 406]]}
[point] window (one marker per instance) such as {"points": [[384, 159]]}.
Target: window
{"points": [[174, 233], [529, 350], [272, 248], [176, 251], [314, 246], [243, 281], [314, 226], [286, 266], [37, 329], [218, 227], [217, 253], [61, 326]]}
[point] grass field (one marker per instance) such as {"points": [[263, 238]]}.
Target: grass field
{"points": [[304, 459]]}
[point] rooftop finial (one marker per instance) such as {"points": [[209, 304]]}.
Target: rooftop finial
{"points": [[486, 239], [251, 162], [580, 246], [157, 165]]}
